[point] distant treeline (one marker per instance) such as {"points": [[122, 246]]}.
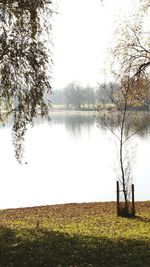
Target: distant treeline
{"points": [[75, 96]]}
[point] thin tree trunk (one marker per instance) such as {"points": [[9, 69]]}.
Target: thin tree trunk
{"points": [[121, 159]]}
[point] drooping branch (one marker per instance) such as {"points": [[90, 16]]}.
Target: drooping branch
{"points": [[25, 63]]}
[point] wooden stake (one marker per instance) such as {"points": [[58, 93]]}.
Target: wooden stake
{"points": [[118, 209], [133, 205]]}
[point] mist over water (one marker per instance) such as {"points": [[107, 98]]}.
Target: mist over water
{"points": [[71, 158]]}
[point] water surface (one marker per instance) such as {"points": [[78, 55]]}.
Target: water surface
{"points": [[69, 159]]}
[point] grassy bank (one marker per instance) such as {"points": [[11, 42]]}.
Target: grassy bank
{"points": [[74, 235]]}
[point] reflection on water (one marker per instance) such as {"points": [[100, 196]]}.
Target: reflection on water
{"points": [[69, 159], [74, 122], [138, 122]]}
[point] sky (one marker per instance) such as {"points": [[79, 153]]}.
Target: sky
{"points": [[83, 33]]}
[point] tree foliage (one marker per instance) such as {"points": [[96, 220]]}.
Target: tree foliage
{"points": [[131, 52], [73, 95], [24, 60], [76, 96]]}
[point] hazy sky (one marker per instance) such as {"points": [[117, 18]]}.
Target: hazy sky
{"points": [[82, 33]]}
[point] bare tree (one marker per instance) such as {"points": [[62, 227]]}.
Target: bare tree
{"points": [[124, 123], [130, 62]]}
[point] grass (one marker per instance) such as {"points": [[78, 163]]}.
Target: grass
{"points": [[75, 235]]}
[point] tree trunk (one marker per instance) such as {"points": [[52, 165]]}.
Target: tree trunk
{"points": [[123, 176], [121, 161]]}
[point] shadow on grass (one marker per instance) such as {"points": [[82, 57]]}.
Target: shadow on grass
{"points": [[142, 219], [40, 247], [136, 218]]}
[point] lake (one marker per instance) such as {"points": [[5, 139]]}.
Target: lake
{"points": [[71, 158]]}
